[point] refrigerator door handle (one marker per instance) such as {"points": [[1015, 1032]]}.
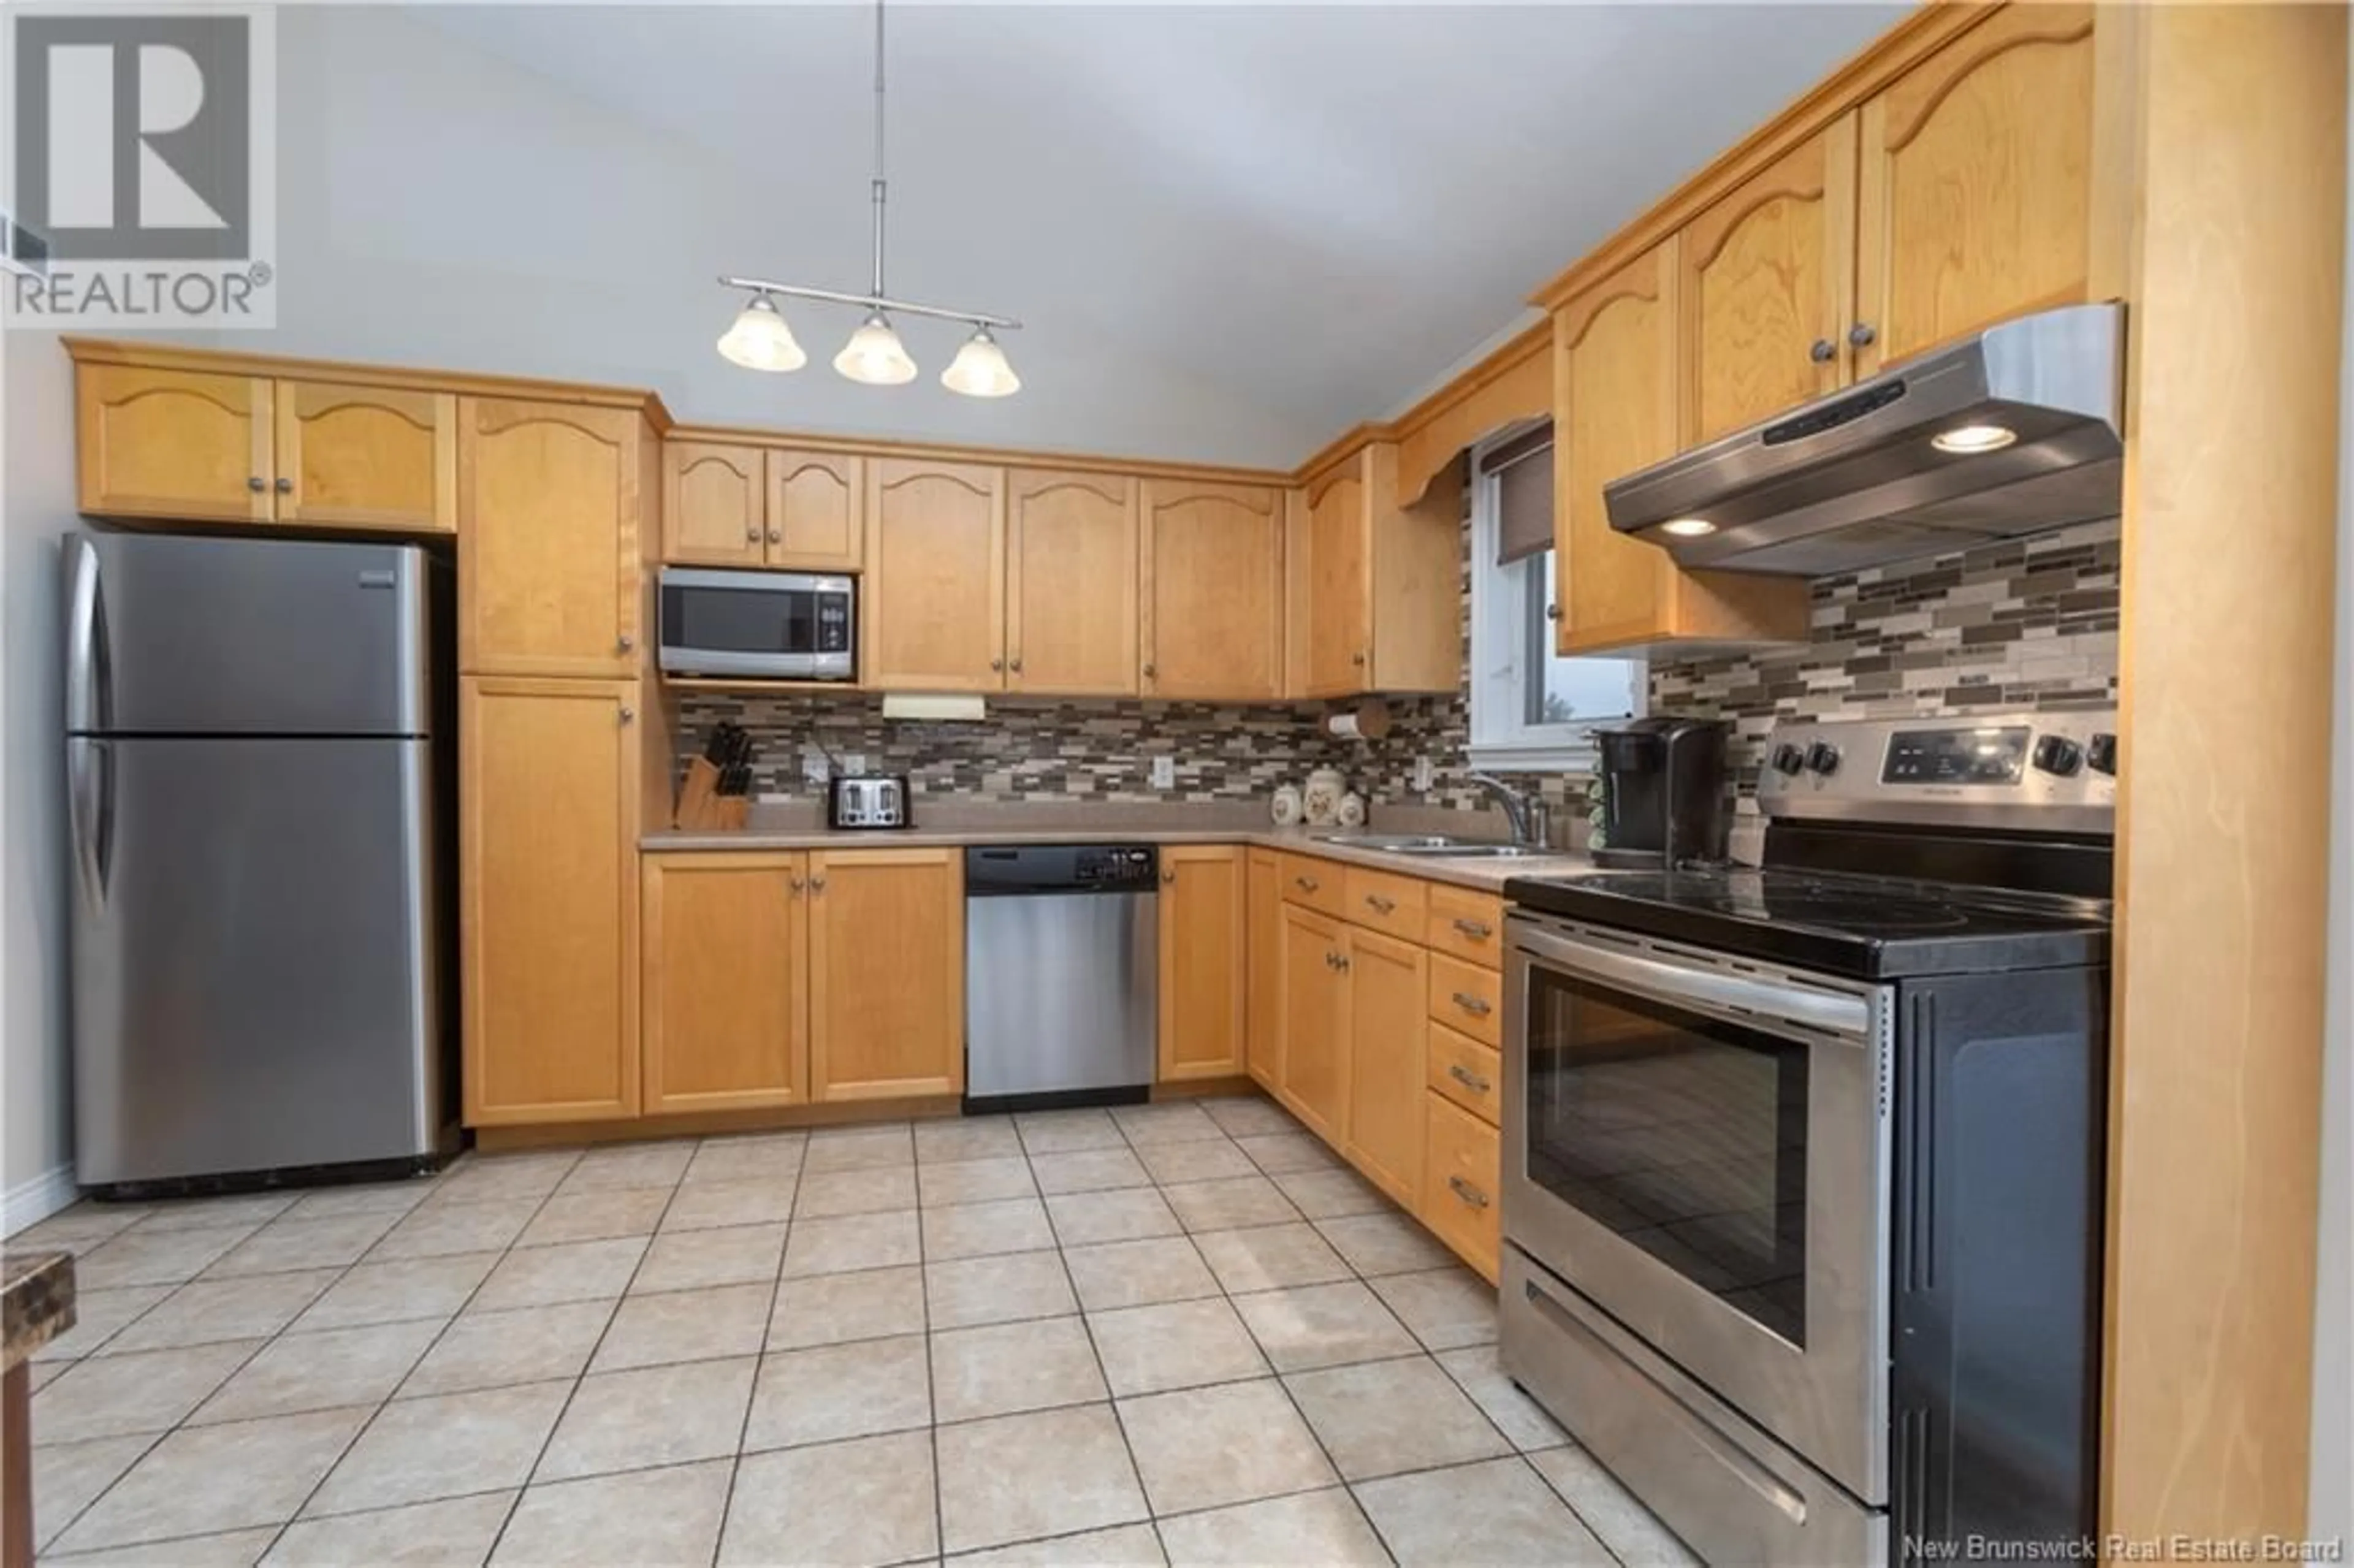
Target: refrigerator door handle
{"points": [[90, 797], [87, 703]]}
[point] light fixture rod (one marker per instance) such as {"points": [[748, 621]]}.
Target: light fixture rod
{"points": [[874, 302], [881, 187]]}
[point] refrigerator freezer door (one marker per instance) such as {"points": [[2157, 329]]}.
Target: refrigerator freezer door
{"points": [[170, 634], [256, 980]]}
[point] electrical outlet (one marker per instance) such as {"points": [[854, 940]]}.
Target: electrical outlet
{"points": [[1164, 773], [854, 765], [814, 765], [1422, 775]]}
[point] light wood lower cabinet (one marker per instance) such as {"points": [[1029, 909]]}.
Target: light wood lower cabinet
{"points": [[886, 972], [726, 981], [1463, 1158], [1387, 1069], [1316, 1022], [1202, 957], [1262, 986], [547, 823]]}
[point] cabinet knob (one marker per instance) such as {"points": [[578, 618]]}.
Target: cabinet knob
{"points": [[1823, 352], [1552, 612], [1017, 665], [1307, 883], [257, 484], [1169, 873], [1478, 930], [776, 536], [1150, 671], [752, 534], [625, 642], [798, 884], [1356, 658], [628, 713], [1344, 965], [285, 485], [997, 663], [817, 884], [1861, 336]]}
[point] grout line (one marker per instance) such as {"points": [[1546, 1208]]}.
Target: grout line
{"points": [[759, 1355]]}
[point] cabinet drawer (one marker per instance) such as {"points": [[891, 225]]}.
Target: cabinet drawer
{"points": [[1320, 884], [1466, 997], [1467, 925], [1469, 1074], [1461, 1166], [1386, 902]]}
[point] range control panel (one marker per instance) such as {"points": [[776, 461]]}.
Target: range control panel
{"points": [[2051, 770]]}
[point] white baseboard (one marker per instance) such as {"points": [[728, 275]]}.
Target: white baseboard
{"points": [[28, 1203]]}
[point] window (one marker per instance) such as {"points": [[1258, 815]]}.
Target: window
{"points": [[1530, 706]]}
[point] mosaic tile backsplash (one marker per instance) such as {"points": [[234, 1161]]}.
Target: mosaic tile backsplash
{"points": [[2023, 623]]}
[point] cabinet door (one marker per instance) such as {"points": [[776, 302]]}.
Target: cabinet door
{"points": [[1315, 1022], [1212, 592], [817, 511], [367, 457], [1388, 1065], [1070, 583], [1615, 409], [1767, 287], [547, 829], [726, 981], [1339, 592], [887, 973], [713, 498], [1263, 919], [548, 575], [1461, 1181], [173, 443], [1202, 957], [935, 599], [1974, 200]]}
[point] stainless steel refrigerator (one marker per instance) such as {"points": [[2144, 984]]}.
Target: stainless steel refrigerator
{"points": [[258, 772]]}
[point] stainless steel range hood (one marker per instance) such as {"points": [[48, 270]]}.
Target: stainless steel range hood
{"points": [[2015, 430]]}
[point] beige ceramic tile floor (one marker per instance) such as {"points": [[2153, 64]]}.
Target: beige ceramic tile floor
{"points": [[1179, 1333]]}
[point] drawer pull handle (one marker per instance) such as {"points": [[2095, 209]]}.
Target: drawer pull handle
{"points": [[1379, 904], [1467, 1078], [1468, 1192], [1471, 1004], [1478, 930], [1307, 883]]}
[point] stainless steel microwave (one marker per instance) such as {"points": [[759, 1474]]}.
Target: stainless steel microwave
{"points": [[785, 626]]}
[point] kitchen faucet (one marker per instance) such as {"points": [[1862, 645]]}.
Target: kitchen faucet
{"points": [[1527, 815]]}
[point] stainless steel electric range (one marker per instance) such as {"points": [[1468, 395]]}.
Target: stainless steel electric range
{"points": [[1802, 1182]]}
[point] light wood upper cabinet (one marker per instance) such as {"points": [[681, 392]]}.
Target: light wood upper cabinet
{"points": [[714, 503], [548, 568], [173, 443], [816, 511], [1388, 1070], [1975, 197], [934, 603], [1070, 582], [547, 834], [1767, 287], [1262, 986], [1341, 586], [726, 981], [1617, 403], [1202, 957], [1379, 585], [366, 457], [887, 973], [1211, 591], [1316, 1022]]}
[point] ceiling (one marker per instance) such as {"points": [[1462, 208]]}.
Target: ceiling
{"points": [[1232, 231]]}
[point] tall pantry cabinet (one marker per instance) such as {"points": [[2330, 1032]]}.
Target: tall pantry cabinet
{"points": [[554, 525]]}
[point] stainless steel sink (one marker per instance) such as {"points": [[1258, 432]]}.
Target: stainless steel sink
{"points": [[1401, 844], [1471, 850]]}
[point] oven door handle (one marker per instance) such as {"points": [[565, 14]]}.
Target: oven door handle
{"points": [[1832, 1012]]}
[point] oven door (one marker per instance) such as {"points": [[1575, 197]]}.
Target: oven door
{"points": [[785, 626], [1699, 1146]]}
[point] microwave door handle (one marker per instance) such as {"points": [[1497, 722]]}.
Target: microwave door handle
{"points": [[1672, 982]]}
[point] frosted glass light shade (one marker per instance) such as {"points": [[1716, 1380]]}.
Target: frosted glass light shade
{"points": [[875, 355], [759, 339], [981, 370]]}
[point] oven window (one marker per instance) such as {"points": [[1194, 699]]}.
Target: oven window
{"points": [[1685, 1135], [740, 620]]}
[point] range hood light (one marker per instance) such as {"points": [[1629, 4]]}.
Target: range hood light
{"points": [[1966, 439], [1688, 527]]}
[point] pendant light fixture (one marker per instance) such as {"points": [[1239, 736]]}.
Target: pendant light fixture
{"points": [[759, 339]]}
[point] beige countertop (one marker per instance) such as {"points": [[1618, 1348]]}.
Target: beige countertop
{"points": [[940, 824]]}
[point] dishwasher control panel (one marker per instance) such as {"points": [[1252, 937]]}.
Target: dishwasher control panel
{"points": [[993, 872]]}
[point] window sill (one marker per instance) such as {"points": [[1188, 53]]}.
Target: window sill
{"points": [[1577, 758]]}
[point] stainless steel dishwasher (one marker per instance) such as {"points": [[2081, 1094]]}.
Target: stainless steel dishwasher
{"points": [[1061, 974]]}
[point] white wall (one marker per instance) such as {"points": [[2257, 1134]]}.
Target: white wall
{"points": [[36, 507]]}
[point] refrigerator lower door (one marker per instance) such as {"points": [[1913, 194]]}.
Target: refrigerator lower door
{"points": [[255, 956]]}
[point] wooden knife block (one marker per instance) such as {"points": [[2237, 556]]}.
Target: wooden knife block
{"points": [[701, 806]]}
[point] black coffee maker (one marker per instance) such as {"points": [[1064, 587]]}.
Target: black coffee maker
{"points": [[1663, 792]]}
